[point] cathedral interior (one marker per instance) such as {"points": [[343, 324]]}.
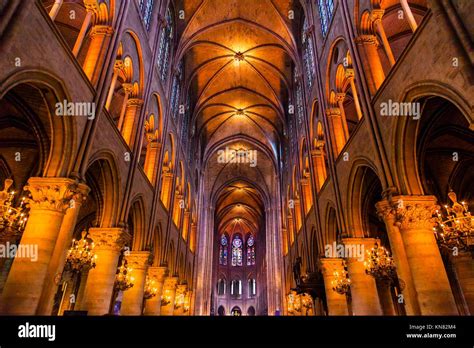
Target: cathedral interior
{"points": [[236, 157]]}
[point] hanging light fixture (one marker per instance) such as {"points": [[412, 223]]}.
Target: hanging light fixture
{"points": [[341, 283], [294, 302], [455, 226], [166, 297], [12, 219], [80, 255], [187, 301], [124, 279], [379, 264], [150, 288]]}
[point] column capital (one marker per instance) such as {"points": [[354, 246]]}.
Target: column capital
{"points": [[170, 283], [385, 210], [134, 102], [376, 15], [340, 97], [367, 40], [138, 259], [349, 73], [119, 65], [415, 212], [53, 193], [101, 30], [127, 87], [112, 238], [331, 265], [333, 112], [158, 273]]}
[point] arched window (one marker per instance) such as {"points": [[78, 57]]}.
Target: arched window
{"points": [[237, 251], [326, 8], [176, 89], [299, 103], [250, 251], [252, 287], [236, 288], [223, 251], [164, 50], [221, 287], [146, 8], [308, 51]]}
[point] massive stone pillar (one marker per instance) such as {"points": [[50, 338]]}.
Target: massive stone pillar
{"points": [[58, 259], [337, 303], [365, 299], [153, 305], [169, 294], [50, 199], [180, 296], [100, 282], [414, 219], [132, 300], [387, 214]]}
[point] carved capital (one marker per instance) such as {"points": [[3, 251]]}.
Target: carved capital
{"points": [[138, 260], [101, 30], [385, 210], [137, 102], [331, 265], [158, 274], [51, 193], [127, 87], [333, 112], [415, 212], [367, 40], [170, 283], [349, 73], [113, 238], [376, 15], [340, 97]]}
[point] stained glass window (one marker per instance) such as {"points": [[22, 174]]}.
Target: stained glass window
{"points": [[299, 103], [250, 251], [252, 287], [308, 54], [146, 8], [223, 251], [237, 251], [164, 50], [175, 90], [326, 9]]}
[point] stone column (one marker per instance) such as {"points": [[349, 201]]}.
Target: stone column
{"points": [[100, 282], [127, 88], [319, 164], [58, 259], [371, 61], [166, 185], [387, 213], [307, 195], [50, 199], [414, 219], [340, 97], [185, 227], [118, 66], [365, 299], [153, 305], [99, 36], [132, 300], [376, 17], [464, 266], [83, 31], [349, 73], [409, 14], [337, 303], [336, 130], [55, 9], [298, 215], [151, 159], [177, 207], [169, 294], [180, 295], [132, 113]]}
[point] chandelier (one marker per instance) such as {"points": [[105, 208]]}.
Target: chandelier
{"points": [[123, 279], [187, 302], [80, 255], [379, 264], [306, 302], [341, 283], [166, 298], [294, 302], [455, 226], [12, 218], [150, 288]]}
